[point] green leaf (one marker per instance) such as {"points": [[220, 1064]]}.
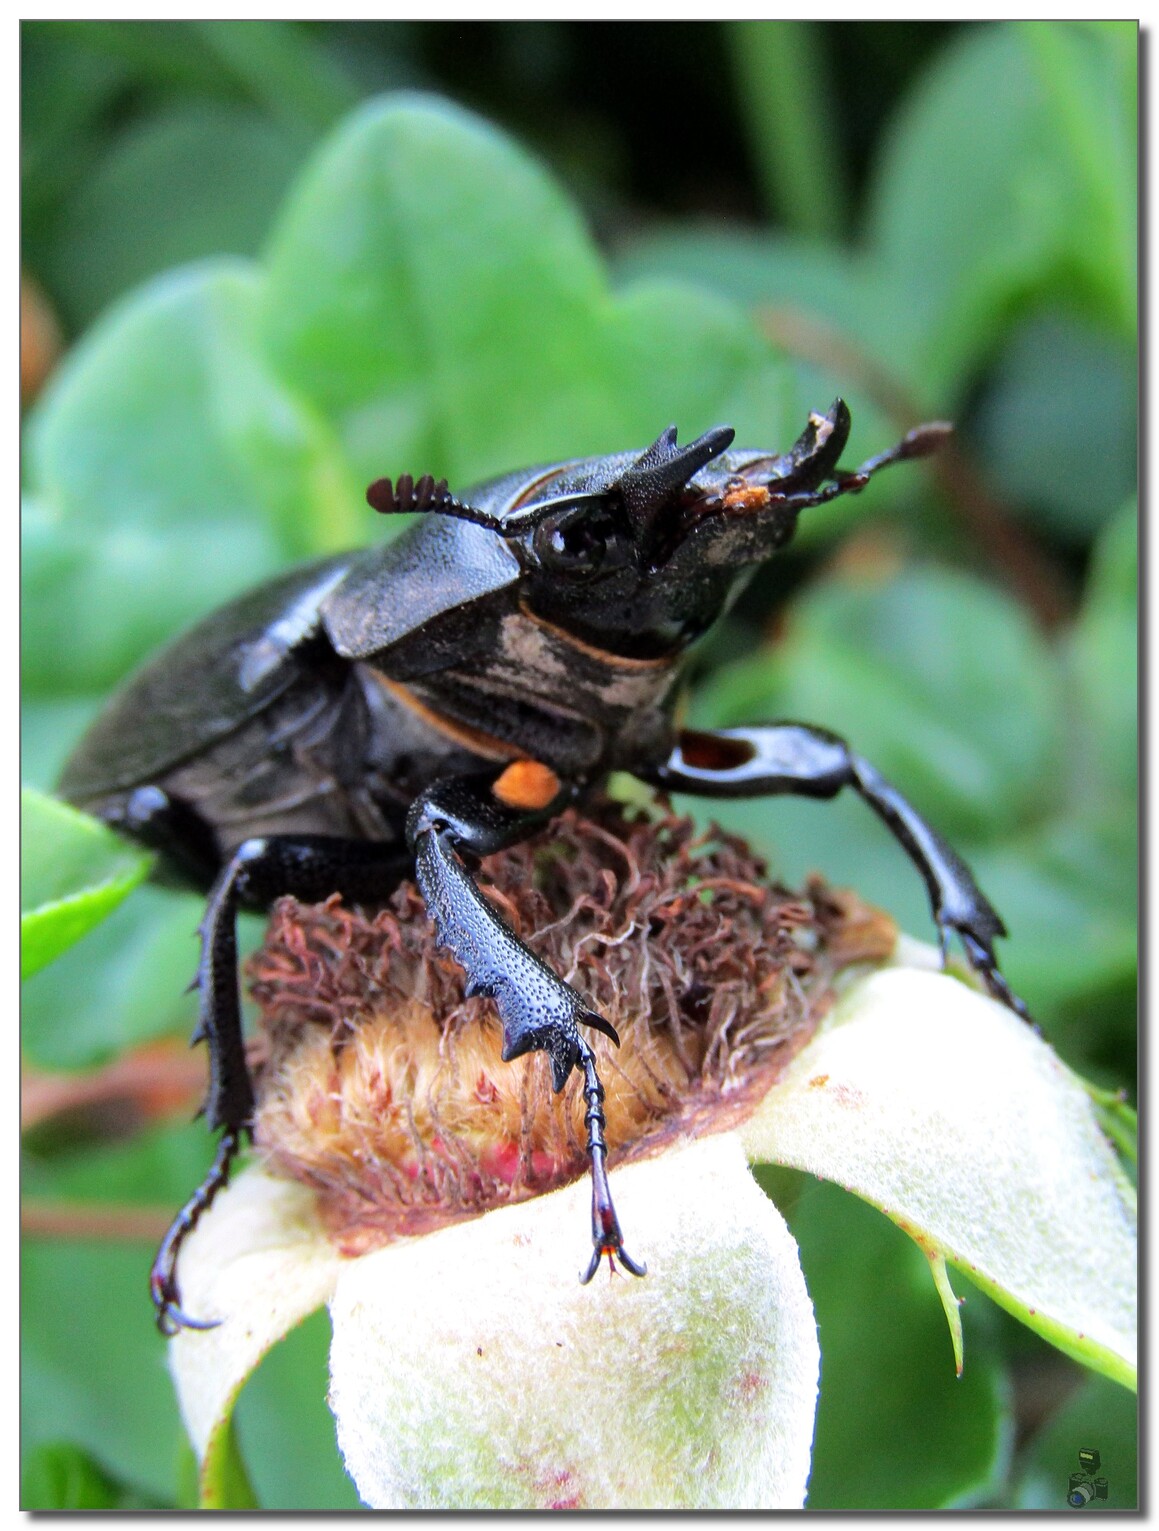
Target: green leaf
{"points": [[166, 456], [285, 68], [1067, 893], [1062, 398], [49, 730], [73, 873], [1103, 656], [433, 293], [1089, 75], [93, 1367], [92, 1370], [975, 210], [126, 985], [1120, 1123], [202, 178], [834, 315], [63, 1477], [896, 1429], [156, 1168], [227, 1486]]}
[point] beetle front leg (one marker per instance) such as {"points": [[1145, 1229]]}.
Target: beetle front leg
{"points": [[260, 870], [811, 762], [538, 1011]]}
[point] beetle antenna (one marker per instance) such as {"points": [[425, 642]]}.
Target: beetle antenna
{"points": [[922, 441], [391, 499], [425, 494], [919, 442]]}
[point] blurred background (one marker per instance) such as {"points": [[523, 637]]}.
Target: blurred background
{"points": [[935, 220]]}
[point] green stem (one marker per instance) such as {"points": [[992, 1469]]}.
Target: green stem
{"points": [[225, 1484], [781, 80]]}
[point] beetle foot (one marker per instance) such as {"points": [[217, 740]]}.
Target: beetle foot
{"points": [[980, 955], [171, 1316], [163, 1286], [606, 1236]]}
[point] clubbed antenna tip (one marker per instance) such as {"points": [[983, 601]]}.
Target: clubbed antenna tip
{"points": [[390, 499], [924, 439]]}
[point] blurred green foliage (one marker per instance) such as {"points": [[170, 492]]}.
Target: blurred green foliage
{"points": [[931, 221]]}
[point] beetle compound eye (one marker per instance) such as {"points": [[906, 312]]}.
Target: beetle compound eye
{"points": [[573, 545]]}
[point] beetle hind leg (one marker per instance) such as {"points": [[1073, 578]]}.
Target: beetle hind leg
{"points": [[163, 1287], [261, 869]]}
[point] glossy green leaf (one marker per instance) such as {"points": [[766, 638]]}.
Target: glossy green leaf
{"points": [[127, 984], [166, 456], [73, 873], [434, 293]]}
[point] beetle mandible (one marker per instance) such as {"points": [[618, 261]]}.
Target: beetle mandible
{"points": [[409, 708]]}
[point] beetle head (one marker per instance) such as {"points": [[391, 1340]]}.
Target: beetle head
{"points": [[640, 553]]}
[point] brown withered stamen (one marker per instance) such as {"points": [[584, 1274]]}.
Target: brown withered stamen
{"points": [[382, 1087]]}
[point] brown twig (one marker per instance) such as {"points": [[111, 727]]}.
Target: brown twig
{"points": [[101, 1221], [159, 1079], [1019, 560]]}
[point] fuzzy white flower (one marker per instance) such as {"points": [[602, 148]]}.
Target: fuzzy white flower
{"points": [[469, 1368]]}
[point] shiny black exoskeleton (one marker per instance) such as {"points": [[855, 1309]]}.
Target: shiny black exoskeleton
{"points": [[412, 707]]}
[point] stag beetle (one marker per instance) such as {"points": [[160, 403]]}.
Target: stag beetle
{"points": [[409, 708]]}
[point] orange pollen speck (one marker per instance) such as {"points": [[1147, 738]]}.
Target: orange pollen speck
{"points": [[750, 497], [526, 784]]}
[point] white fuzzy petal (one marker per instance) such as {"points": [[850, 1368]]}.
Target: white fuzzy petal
{"points": [[259, 1261], [949, 1113], [471, 1369]]}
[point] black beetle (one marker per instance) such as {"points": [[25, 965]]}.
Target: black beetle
{"points": [[400, 709]]}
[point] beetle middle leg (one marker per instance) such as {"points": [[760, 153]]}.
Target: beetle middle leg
{"points": [[308, 867], [811, 762], [538, 1010]]}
